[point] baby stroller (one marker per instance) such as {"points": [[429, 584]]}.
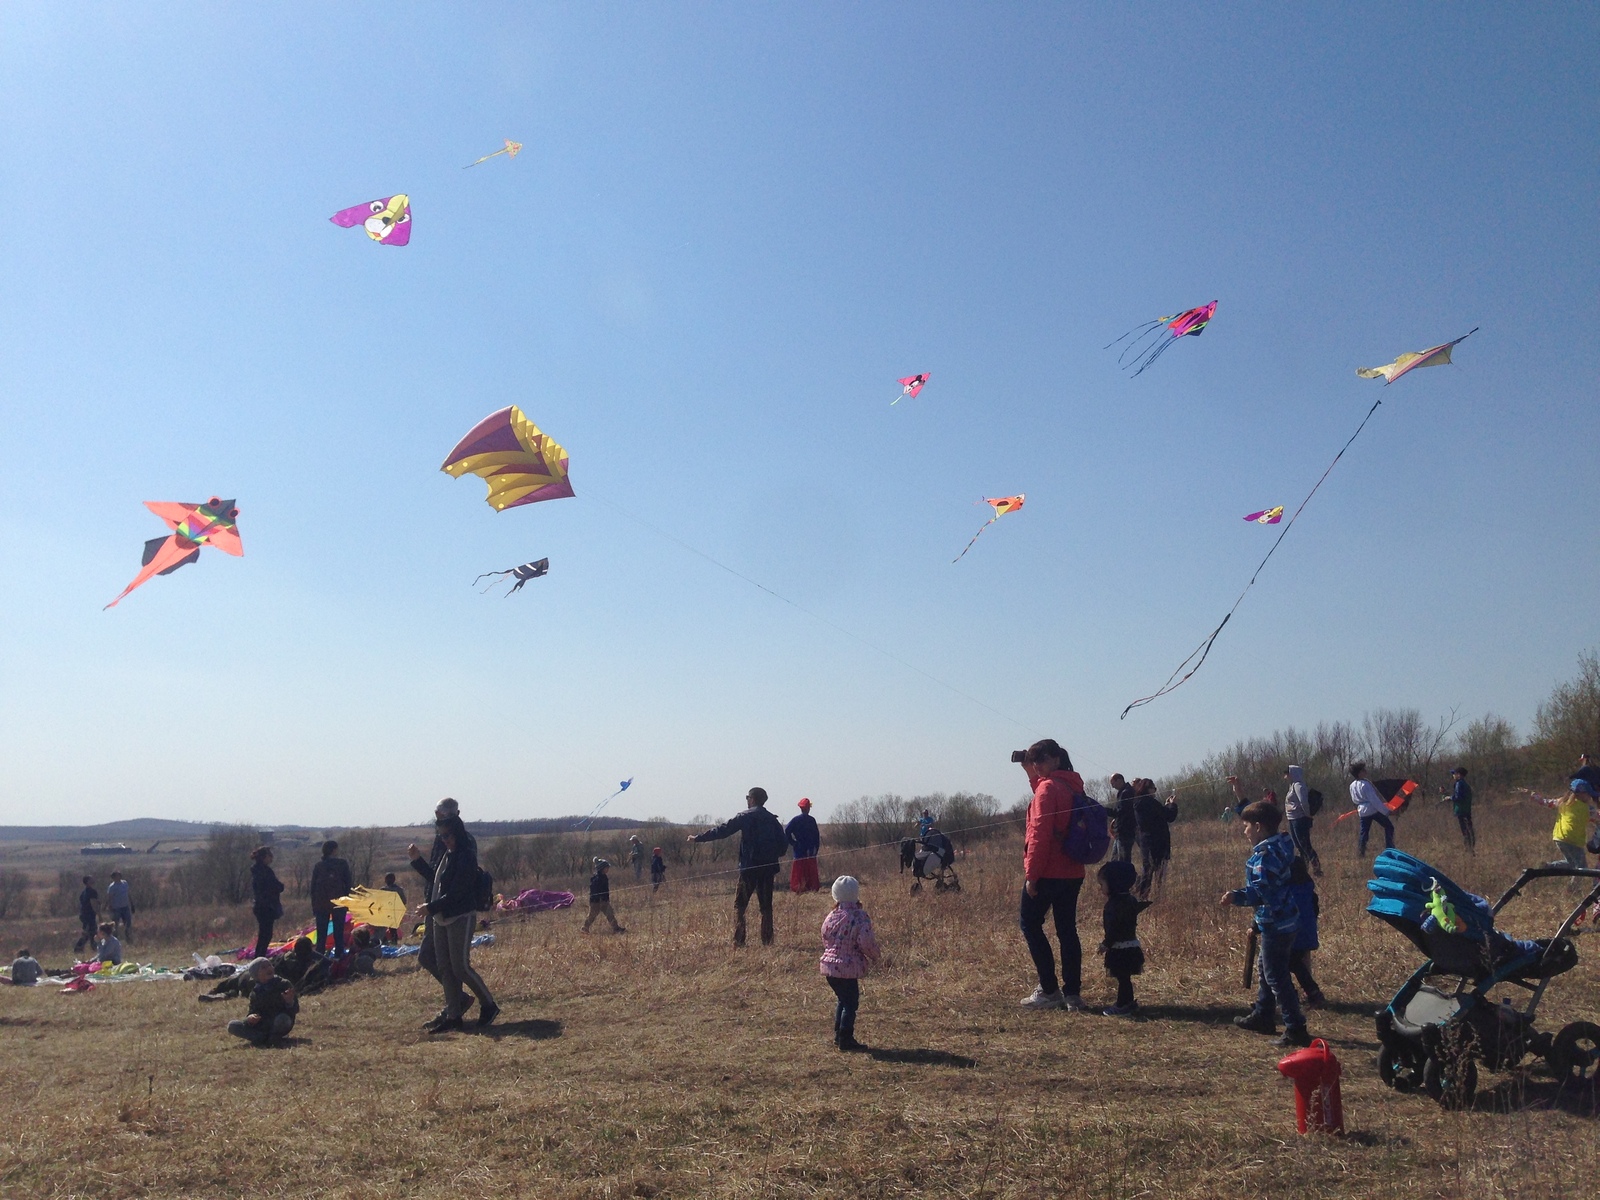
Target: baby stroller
{"points": [[935, 859], [1442, 1021]]}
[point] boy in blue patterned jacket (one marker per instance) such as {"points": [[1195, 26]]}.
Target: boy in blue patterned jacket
{"points": [[1277, 919]]}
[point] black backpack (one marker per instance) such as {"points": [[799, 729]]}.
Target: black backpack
{"points": [[1314, 801], [771, 843], [483, 895]]}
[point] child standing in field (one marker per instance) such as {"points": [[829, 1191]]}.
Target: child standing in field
{"points": [[1124, 954], [848, 945], [1460, 795], [1303, 891], [600, 897], [658, 869], [1277, 920]]}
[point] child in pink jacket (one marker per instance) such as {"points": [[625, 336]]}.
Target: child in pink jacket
{"points": [[847, 947]]}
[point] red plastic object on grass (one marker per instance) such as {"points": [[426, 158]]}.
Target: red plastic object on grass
{"points": [[1315, 1072]]}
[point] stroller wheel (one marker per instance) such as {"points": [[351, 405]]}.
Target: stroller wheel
{"points": [[1396, 1071], [1453, 1085], [1575, 1054]]}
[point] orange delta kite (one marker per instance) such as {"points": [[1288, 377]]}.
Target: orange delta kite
{"points": [[1433, 356], [520, 464], [193, 526], [1002, 505]]}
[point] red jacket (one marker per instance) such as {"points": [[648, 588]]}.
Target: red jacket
{"points": [[1042, 857]]}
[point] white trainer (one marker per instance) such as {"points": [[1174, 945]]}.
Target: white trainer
{"points": [[1039, 998]]}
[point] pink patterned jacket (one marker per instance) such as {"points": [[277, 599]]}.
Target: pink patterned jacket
{"points": [[847, 942]]}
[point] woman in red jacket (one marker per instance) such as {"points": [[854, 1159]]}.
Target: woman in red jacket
{"points": [[1051, 880]]}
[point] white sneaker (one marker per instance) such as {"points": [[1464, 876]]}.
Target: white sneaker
{"points": [[1040, 998], [1074, 1004]]}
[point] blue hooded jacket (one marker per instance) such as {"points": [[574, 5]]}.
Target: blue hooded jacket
{"points": [[1266, 885]]}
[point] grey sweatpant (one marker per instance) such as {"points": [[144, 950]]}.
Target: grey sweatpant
{"points": [[452, 954]]}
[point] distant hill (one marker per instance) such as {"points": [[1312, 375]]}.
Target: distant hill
{"points": [[150, 829]]}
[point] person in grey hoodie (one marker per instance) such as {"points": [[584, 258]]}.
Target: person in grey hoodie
{"points": [[1297, 808]]}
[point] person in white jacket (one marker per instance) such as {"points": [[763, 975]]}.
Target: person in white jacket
{"points": [[1370, 804]]}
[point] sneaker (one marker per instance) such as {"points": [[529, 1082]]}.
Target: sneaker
{"points": [[487, 1016], [847, 1043], [1074, 1004], [444, 1025], [1292, 1035], [208, 997], [1257, 1023], [619, 929], [1120, 1010], [1316, 1000], [1039, 998]]}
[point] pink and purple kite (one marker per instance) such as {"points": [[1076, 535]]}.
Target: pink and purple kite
{"points": [[909, 386], [1267, 516], [387, 221], [1164, 331]]}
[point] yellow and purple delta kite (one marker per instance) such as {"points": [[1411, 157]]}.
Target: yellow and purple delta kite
{"points": [[193, 526], [1166, 331], [1267, 516], [1434, 356], [519, 463], [387, 221], [1001, 505]]}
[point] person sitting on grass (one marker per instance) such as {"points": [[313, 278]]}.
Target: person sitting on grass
{"points": [[110, 948], [848, 945], [25, 969], [600, 897], [1266, 888], [273, 1006], [1120, 920], [1303, 889]]}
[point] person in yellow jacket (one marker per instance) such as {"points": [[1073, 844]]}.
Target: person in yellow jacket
{"points": [[1571, 831]]}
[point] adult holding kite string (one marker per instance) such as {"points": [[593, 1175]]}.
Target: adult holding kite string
{"points": [[1372, 807]]}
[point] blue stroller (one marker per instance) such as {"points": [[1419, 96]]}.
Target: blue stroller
{"points": [[1442, 1021]]}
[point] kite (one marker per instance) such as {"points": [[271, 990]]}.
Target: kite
{"points": [[1166, 330], [193, 526], [1427, 358], [1396, 795], [520, 464], [595, 811], [510, 151], [534, 900], [525, 572], [909, 386], [1267, 516], [378, 907], [387, 221], [1435, 356], [1002, 506]]}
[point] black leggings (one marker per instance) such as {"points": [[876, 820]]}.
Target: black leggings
{"points": [[1468, 833], [844, 1015], [1124, 990], [264, 925]]}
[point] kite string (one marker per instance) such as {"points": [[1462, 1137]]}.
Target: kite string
{"points": [[837, 628], [1205, 646]]}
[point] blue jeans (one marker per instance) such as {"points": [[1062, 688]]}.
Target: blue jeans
{"points": [[1062, 896], [848, 992], [1276, 981], [1367, 821]]}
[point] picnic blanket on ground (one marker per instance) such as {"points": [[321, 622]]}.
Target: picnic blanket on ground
{"points": [[482, 939]]}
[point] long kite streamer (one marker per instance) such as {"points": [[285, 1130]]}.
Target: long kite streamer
{"points": [[595, 811]]}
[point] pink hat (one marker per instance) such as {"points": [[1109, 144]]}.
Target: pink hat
{"points": [[804, 803]]}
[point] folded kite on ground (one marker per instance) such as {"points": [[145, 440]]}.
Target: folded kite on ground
{"points": [[193, 526], [533, 570], [520, 464], [1267, 516], [1434, 356], [909, 386], [536, 900], [387, 221], [1002, 505]]}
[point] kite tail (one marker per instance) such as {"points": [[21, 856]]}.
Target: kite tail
{"points": [[975, 537], [1205, 646], [1141, 330]]}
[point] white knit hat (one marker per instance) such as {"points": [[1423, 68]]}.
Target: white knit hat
{"points": [[846, 890]]}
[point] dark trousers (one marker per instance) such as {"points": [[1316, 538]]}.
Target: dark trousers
{"points": [[1468, 833], [1300, 968], [844, 1014], [1300, 831], [1124, 990], [757, 882], [264, 924], [1152, 867], [1121, 851], [275, 1026], [336, 918], [1060, 895], [90, 924], [1367, 821], [1276, 983]]}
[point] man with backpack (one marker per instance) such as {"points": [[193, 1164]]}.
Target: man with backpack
{"points": [[762, 845], [1300, 805], [1052, 877]]}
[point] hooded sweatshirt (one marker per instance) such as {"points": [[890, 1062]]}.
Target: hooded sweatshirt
{"points": [[1297, 801]]}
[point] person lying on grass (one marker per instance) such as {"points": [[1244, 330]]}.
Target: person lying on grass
{"points": [[273, 1006], [1277, 920]]}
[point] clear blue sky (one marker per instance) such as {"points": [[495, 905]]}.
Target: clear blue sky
{"points": [[731, 228]]}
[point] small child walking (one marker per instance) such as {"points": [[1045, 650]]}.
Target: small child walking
{"points": [[848, 945], [658, 869], [1303, 891], [600, 897], [1124, 954]]}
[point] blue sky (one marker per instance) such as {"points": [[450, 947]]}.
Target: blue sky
{"points": [[731, 229]]}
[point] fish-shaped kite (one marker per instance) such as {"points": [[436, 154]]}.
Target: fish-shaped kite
{"points": [[909, 386], [1267, 516], [1166, 331], [1434, 356], [1002, 505], [387, 221], [520, 464], [193, 526], [585, 822], [525, 572], [510, 151]]}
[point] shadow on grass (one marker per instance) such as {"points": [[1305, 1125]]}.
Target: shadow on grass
{"points": [[1201, 1014], [1522, 1094], [535, 1030], [927, 1058]]}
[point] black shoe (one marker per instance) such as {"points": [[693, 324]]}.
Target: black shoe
{"points": [[1292, 1035], [847, 1042], [1256, 1023], [468, 1003], [445, 1025], [487, 1016]]}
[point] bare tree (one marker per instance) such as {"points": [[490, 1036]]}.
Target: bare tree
{"points": [[1568, 723], [360, 847]]}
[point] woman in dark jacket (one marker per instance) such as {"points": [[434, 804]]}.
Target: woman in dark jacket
{"points": [[1155, 835], [452, 911], [266, 894]]}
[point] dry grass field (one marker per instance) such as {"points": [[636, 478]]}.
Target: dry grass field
{"points": [[663, 1063]]}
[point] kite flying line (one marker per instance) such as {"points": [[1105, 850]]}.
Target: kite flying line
{"points": [[1204, 648]]}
